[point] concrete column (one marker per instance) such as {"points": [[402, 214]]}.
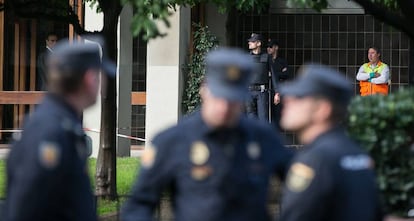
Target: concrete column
{"points": [[92, 116], [165, 57], [125, 46]]}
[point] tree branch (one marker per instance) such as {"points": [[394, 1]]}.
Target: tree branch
{"points": [[66, 15], [388, 17]]}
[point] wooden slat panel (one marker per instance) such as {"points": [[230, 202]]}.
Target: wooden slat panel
{"points": [[21, 97], [71, 30], [33, 59], [22, 72], [1, 61], [33, 56], [138, 98], [16, 71], [1, 46]]}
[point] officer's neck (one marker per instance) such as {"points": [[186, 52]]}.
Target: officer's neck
{"points": [[256, 50], [274, 55], [76, 102], [313, 131]]}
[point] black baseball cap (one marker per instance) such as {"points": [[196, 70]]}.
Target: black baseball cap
{"points": [[255, 37], [271, 42]]}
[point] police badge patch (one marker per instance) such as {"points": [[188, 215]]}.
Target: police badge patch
{"points": [[49, 155], [299, 177], [199, 153]]}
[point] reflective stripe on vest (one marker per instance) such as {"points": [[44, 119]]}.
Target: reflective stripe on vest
{"points": [[366, 87]]}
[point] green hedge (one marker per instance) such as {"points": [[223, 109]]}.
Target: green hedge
{"points": [[384, 125]]}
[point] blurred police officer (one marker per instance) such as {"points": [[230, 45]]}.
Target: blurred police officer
{"points": [[216, 163], [257, 105], [47, 168], [332, 178]]}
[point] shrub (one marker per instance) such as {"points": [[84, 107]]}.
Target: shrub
{"points": [[204, 41], [384, 125]]}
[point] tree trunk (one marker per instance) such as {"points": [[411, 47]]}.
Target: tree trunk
{"points": [[106, 163]]}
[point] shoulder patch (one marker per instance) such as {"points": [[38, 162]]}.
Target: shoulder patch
{"points": [[148, 157], [199, 153], [49, 155], [299, 177], [253, 150]]}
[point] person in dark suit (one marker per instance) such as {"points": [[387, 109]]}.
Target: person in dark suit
{"points": [[279, 70], [41, 80], [47, 168], [215, 163]]}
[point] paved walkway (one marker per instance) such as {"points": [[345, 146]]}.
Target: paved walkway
{"points": [[4, 152]]}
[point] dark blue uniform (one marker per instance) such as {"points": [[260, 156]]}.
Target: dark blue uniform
{"points": [[332, 179], [47, 168], [220, 174], [257, 105], [280, 73]]}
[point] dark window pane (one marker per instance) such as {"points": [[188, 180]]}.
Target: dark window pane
{"points": [[333, 23], [352, 23], [316, 40], [369, 23], [308, 23]]}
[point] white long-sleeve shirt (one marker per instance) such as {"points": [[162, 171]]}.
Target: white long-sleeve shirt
{"points": [[382, 79]]}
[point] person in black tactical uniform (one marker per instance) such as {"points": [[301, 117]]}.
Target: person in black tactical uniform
{"points": [[47, 172], [215, 163], [332, 178], [257, 106], [279, 70]]}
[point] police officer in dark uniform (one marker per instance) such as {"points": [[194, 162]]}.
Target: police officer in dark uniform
{"points": [[47, 173], [216, 162], [257, 106], [332, 178]]}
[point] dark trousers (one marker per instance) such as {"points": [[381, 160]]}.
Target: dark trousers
{"points": [[276, 114], [257, 105]]}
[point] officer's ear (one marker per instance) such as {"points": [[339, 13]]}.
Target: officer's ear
{"points": [[259, 43], [323, 110]]}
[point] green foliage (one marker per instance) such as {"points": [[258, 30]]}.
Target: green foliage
{"points": [[147, 12], [204, 41], [2, 178], [384, 125], [318, 5], [126, 172]]}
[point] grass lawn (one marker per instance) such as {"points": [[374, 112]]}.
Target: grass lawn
{"points": [[2, 178], [126, 169], [126, 172]]}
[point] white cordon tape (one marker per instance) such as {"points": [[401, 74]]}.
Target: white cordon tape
{"points": [[86, 129]]}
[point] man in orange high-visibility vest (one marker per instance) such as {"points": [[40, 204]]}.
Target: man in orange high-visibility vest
{"points": [[373, 76]]}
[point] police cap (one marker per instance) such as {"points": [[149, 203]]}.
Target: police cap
{"points": [[255, 37], [80, 56], [228, 73], [271, 42], [317, 80]]}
